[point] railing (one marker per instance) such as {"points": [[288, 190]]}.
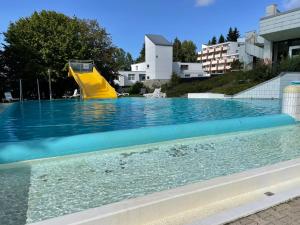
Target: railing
{"points": [[81, 65]]}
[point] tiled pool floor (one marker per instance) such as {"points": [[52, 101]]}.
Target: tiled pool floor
{"points": [[41, 189]]}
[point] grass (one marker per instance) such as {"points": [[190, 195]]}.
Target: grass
{"points": [[229, 83]]}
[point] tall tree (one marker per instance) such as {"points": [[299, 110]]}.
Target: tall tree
{"points": [[123, 60], [221, 39], [236, 34], [188, 49], [47, 40], [214, 40], [233, 34], [177, 51], [141, 57], [209, 42], [230, 35]]}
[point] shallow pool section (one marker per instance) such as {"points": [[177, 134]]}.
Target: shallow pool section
{"points": [[41, 189], [51, 147], [34, 120]]}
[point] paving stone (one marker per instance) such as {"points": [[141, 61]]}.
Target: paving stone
{"points": [[283, 214]]}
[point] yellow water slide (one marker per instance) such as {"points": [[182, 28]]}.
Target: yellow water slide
{"points": [[92, 84]]}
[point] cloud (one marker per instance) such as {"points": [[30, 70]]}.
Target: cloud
{"points": [[290, 4], [203, 3]]}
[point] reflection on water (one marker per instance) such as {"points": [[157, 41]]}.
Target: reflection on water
{"points": [[35, 120]]}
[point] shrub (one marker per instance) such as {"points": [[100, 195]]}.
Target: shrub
{"points": [[136, 88]]}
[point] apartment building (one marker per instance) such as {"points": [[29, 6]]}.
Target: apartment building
{"points": [[217, 59]]}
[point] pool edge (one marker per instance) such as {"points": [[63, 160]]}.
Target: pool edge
{"points": [[164, 204]]}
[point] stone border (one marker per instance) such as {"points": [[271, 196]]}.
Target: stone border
{"points": [[164, 204]]}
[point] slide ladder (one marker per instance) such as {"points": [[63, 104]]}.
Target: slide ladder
{"points": [[92, 84]]}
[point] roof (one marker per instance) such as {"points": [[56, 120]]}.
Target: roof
{"points": [[158, 40], [281, 13]]}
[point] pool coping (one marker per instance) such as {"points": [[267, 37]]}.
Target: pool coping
{"points": [[150, 208]]}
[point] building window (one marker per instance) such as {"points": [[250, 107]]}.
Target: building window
{"points": [[184, 67], [187, 75], [142, 77], [131, 77], [136, 67], [148, 66], [148, 77]]}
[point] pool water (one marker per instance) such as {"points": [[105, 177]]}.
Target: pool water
{"points": [[41, 189], [35, 120]]}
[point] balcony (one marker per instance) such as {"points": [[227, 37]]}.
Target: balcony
{"points": [[228, 67], [206, 63], [217, 55], [213, 68], [211, 50], [218, 49], [214, 62], [210, 57]]}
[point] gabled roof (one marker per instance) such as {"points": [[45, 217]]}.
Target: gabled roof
{"points": [[158, 40]]}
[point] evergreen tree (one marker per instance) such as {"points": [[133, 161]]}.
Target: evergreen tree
{"points": [[233, 34], [177, 52], [236, 34], [221, 39], [230, 35], [209, 42], [214, 40], [141, 57]]}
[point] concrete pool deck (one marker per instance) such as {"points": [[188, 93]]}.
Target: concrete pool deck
{"points": [[212, 202]]}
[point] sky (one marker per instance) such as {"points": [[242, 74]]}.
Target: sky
{"points": [[127, 21]]}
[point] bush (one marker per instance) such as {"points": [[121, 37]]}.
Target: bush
{"points": [[136, 88], [290, 64]]}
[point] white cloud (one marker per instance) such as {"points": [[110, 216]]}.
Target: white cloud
{"points": [[202, 3], [290, 4]]}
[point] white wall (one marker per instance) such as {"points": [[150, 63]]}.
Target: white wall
{"points": [[164, 62], [138, 67], [194, 69], [150, 58], [123, 78], [159, 59], [271, 89]]}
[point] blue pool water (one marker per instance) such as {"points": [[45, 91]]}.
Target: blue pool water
{"points": [[37, 120]]}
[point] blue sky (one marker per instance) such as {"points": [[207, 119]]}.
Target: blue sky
{"points": [[128, 20]]}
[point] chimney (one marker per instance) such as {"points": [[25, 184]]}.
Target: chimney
{"points": [[271, 10]]}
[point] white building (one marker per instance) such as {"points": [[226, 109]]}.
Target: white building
{"points": [[158, 66], [217, 59], [251, 49], [281, 33]]}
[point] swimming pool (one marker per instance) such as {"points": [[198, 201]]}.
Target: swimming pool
{"points": [[47, 188], [35, 120]]}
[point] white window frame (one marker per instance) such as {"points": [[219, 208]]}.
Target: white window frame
{"points": [[131, 76]]}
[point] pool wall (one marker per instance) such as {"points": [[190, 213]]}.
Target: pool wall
{"points": [[51, 147], [147, 209]]}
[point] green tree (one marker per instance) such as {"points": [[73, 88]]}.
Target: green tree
{"points": [[229, 34], [236, 34], [141, 57], [123, 60], [214, 40], [177, 51], [233, 34], [188, 49], [209, 42], [47, 40], [221, 39]]}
